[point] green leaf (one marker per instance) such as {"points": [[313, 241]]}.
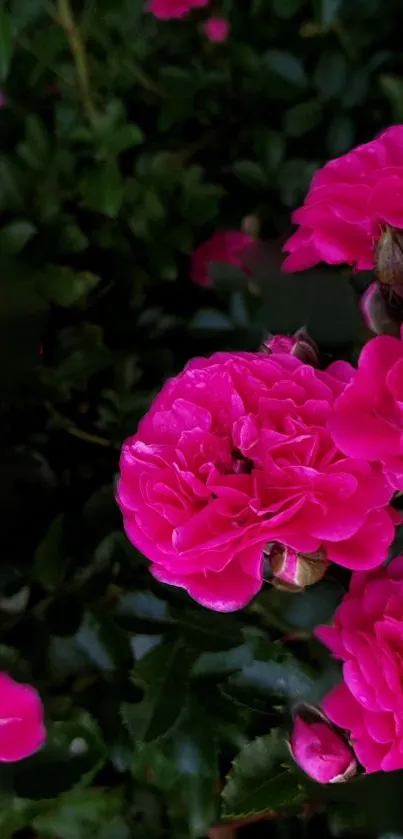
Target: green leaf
{"points": [[340, 135], [14, 236], [315, 605], [283, 679], [84, 814], [286, 8], [167, 671], [257, 782], [326, 11], [145, 606], [195, 756], [6, 43], [302, 118], [34, 149], [15, 814], [104, 643], [122, 137], [331, 75], [211, 320], [207, 630], [287, 66], [65, 287], [221, 663], [103, 189], [150, 765], [392, 87], [249, 173], [73, 754], [49, 562]]}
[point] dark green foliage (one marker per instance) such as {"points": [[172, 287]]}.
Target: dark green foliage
{"points": [[109, 178]]}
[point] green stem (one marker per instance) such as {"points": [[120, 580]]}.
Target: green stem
{"points": [[73, 35]]}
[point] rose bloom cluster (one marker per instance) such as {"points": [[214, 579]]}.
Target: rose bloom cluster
{"points": [[244, 457]]}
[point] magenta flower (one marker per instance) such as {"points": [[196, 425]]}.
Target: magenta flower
{"points": [[322, 753], [235, 453], [22, 731], [350, 201], [217, 29], [367, 636], [168, 9], [228, 246], [367, 420]]}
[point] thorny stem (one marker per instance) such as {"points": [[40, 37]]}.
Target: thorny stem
{"points": [[73, 35], [63, 425]]}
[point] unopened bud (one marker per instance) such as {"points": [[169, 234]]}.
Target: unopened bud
{"points": [[320, 749], [300, 345], [251, 226], [293, 571], [379, 313], [389, 260]]}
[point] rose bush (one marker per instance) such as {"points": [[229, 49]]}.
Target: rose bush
{"points": [[129, 141]]}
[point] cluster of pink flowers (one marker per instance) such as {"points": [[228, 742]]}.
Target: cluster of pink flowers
{"points": [[249, 458], [215, 28]]}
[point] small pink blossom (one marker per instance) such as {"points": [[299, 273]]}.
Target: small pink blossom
{"points": [[367, 421], [322, 753], [217, 29], [22, 730], [169, 9], [349, 202], [228, 246], [367, 636], [235, 453]]}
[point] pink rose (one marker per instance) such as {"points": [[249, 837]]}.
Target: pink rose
{"points": [[217, 29], [168, 9], [235, 453], [322, 753], [22, 731], [228, 246], [367, 420], [349, 202], [367, 635]]}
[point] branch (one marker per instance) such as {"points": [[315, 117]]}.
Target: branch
{"points": [[76, 44]]}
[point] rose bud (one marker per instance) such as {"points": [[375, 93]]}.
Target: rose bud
{"points": [[300, 345], [389, 260], [293, 571], [320, 751], [379, 315]]}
